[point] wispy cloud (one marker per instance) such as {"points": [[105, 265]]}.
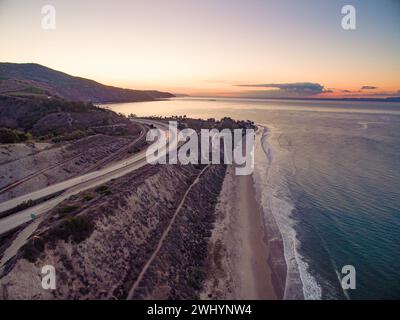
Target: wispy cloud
{"points": [[297, 89], [368, 88], [309, 90], [297, 86]]}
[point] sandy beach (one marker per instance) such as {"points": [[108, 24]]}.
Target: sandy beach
{"points": [[239, 253]]}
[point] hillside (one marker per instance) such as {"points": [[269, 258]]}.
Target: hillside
{"points": [[41, 115], [34, 79]]}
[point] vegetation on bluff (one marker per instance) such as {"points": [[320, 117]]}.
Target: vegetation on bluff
{"points": [[13, 136], [55, 119]]}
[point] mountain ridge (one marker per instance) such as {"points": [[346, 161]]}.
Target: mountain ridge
{"points": [[38, 79]]}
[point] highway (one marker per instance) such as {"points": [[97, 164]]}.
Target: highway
{"points": [[75, 185], [97, 165]]}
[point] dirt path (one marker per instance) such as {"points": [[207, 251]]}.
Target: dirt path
{"points": [[163, 237]]}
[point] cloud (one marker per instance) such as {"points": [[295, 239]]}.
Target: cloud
{"points": [[297, 89], [368, 88], [297, 86]]}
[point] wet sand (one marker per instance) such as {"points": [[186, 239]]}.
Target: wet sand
{"points": [[239, 255]]}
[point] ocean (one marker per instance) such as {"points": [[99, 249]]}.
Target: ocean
{"points": [[327, 175]]}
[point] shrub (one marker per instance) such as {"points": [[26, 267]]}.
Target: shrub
{"points": [[68, 209], [31, 251], [87, 197], [26, 204], [103, 190], [74, 135], [13, 136], [196, 278], [77, 228]]}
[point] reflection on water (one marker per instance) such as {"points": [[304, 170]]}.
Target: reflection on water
{"points": [[218, 107]]}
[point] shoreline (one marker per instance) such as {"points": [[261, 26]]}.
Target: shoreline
{"points": [[241, 260]]}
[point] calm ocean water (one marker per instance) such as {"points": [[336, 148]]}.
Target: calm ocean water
{"points": [[328, 175]]}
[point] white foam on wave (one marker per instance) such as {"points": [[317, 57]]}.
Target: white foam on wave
{"points": [[278, 207]]}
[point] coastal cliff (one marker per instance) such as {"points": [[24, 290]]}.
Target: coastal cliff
{"points": [[100, 241]]}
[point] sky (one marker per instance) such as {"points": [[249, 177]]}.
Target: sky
{"points": [[252, 48]]}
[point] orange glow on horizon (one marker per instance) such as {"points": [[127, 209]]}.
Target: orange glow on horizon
{"points": [[208, 47]]}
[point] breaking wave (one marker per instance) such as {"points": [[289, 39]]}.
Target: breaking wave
{"points": [[277, 205]]}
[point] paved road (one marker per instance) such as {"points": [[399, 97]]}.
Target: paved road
{"points": [[74, 186], [97, 165]]}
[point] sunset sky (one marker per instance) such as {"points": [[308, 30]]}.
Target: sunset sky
{"points": [[213, 47]]}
